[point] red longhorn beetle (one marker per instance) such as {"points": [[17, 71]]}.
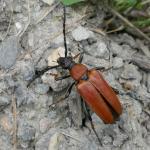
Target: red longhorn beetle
{"points": [[91, 86]]}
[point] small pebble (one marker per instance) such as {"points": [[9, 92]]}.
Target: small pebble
{"points": [[54, 141], [81, 33], [117, 62], [54, 55], [42, 101], [107, 140], [98, 50], [9, 50], [5, 123], [21, 94], [55, 85], [131, 73], [4, 101], [116, 48], [26, 133], [44, 124], [49, 2], [18, 26], [41, 89], [102, 48]]}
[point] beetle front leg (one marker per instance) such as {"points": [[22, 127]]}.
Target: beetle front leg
{"points": [[102, 68], [62, 77], [81, 57]]}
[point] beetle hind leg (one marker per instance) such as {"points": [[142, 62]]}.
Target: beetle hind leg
{"points": [[84, 115], [102, 68], [67, 93], [88, 116]]}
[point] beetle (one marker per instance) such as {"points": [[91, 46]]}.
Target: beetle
{"points": [[94, 89], [90, 84]]}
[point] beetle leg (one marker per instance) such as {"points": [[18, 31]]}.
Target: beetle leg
{"points": [[81, 57], [67, 93], [102, 68], [62, 77], [84, 118], [76, 56], [41, 72], [87, 114], [84, 115], [91, 122], [99, 68], [54, 74], [59, 78]]}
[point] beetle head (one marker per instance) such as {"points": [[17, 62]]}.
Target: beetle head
{"points": [[65, 62]]}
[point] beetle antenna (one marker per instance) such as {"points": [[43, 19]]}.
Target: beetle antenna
{"points": [[64, 31]]}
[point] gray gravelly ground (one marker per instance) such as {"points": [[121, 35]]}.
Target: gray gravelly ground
{"points": [[43, 126]]}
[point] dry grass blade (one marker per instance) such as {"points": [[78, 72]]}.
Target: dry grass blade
{"points": [[29, 19], [99, 31], [75, 138], [14, 111], [116, 30], [126, 21], [8, 28], [145, 2]]}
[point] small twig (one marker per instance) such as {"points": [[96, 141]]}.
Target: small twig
{"points": [[126, 21], [99, 31], [10, 21], [75, 138], [109, 21], [8, 27], [28, 23], [14, 111], [116, 30]]}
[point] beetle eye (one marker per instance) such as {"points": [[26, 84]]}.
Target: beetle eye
{"points": [[58, 60]]}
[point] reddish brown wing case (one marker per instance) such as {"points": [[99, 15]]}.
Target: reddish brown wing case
{"points": [[100, 96]]}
